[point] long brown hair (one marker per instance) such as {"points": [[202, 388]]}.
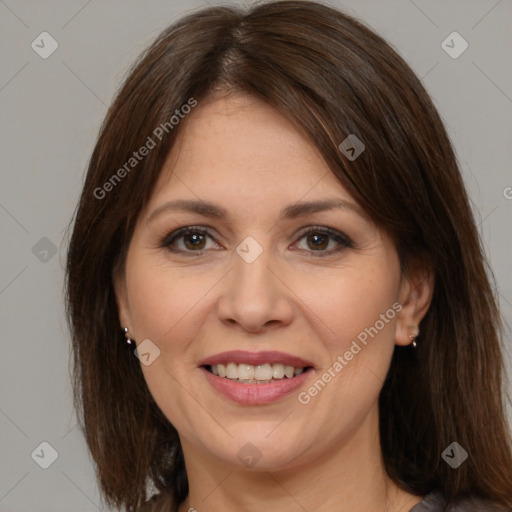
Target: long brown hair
{"points": [[332, 77]]}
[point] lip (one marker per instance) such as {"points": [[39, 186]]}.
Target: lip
{"points": [[255, 358], [256, 394]]}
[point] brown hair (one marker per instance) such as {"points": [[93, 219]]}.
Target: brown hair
{"points": [[332, 77]]}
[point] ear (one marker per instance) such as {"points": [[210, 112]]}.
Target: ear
{"points": [[120, 290], [415, 296]]}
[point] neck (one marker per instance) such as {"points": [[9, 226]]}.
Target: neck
{"points": [[349, 477]]}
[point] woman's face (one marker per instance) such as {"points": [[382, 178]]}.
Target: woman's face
{"points": [[257, 283]]}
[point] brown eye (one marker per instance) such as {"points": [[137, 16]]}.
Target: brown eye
{"points": [[187, 240], [319, 238], [318, 241], [194, 240]]}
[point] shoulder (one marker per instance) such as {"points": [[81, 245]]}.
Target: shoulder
{"points": [[160, 503], [434, 502]]}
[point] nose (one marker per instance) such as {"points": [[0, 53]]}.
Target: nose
{"points": [[254, 297]]}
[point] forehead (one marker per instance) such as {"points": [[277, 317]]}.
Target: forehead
{"points": [[238, 148]]}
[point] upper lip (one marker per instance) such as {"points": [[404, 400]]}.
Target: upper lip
{"points": [[255, 358]]}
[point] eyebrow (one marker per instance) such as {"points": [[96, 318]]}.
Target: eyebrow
{"points": [[213, 210]]}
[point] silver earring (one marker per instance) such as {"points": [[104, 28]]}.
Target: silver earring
{"points": [[129, 341]]}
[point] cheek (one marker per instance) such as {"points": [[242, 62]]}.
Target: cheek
{"points": [[165, 309], [357, 317], [162, 301], [354, 303]]}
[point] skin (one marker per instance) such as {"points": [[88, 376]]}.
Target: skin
{"points": [[241, 154]]}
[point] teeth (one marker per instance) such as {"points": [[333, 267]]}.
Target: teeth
{"points": [[278, 371], [245, 371], [232, 371], [263, 374]]}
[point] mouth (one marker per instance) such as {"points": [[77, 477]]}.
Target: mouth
{"points": [[256, 367], [245, 373], [256, 379]]}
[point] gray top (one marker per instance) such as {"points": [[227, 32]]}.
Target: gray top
{"points": [[433, 502]]}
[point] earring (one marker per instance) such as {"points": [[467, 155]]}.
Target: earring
{"points": [[413, 337], [129, 341]]}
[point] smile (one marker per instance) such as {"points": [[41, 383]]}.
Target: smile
{"points": [[255, 378]]}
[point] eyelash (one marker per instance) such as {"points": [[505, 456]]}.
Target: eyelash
{"points": [[344, 241]]}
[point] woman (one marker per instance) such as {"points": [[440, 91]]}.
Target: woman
{"points": [[274, 218]]}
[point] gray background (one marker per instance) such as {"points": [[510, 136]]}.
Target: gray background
{"points": [[51, 110]]}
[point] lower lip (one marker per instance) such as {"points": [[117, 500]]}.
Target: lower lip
{"points": [[256, 394]]}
